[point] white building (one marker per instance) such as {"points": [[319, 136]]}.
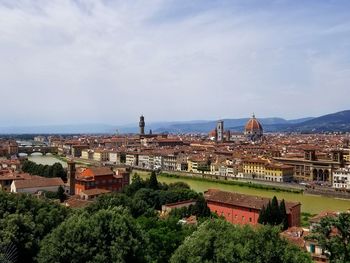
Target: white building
{"points": [[37, 184], [131, 159], [144, 161], [114, 157], [341, 178]]}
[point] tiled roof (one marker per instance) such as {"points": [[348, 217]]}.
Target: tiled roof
{"points": [[38, 182], [248, 201], [96, 171], [95, 191]]}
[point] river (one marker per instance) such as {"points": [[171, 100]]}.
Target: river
{"points": [[310, 203], [45, 159]]}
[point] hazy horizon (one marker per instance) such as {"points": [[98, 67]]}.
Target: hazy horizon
{"points": [[108, 62]]}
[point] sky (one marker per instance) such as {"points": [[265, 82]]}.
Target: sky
{"points": [[106, 61]]}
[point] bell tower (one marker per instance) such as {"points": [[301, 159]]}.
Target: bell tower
{"points": [[71, 177], [220, 131], [142, 125]]}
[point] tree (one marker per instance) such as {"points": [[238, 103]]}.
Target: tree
{"points": [[61, 194], [220, 241], [201, 208], [153, 182], [105, 236], [164, 236], [262, 216], [333, 235], [25, 220], [136, 183], [55, 170], [274, 214], [284, 216]]}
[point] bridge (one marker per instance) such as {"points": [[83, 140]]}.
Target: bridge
{"points": [[29, 149]]}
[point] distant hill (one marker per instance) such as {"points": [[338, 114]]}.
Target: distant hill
{"points": [[230, 124], [339, 121]]}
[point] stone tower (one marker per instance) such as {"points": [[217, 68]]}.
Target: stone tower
{"points": [[220, 131], [142, 125], [71, 177]]}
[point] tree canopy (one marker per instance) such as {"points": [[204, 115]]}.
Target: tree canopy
{"points": [[55, 170], [219, 241], [105, 236], [127, 227], [25, 220]]}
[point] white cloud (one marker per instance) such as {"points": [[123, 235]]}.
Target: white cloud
{"points": [[108, 61]]}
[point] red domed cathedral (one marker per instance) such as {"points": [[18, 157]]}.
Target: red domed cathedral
{"points": [[253, 129]]}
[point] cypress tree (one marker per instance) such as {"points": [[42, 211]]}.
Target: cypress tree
{"points": [[268, 214], [284, 215], [262, 216], [153, 182], [275, 212]]}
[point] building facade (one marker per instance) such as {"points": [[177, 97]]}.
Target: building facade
{"points": [[244, 209], [341, 178]]}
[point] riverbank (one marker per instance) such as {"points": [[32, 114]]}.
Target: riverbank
{"points": [[77, 161], [237, 183]]}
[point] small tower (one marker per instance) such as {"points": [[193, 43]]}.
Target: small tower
{"points": [[71, 177], [142, 125], [220, 131]]}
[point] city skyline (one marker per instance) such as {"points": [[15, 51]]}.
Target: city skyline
{"points": [[110, 61]]}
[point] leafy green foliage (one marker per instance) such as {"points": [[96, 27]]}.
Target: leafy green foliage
{"points": [[55, 170], [164, 236], [25, 220], [153, 182], [305, 217], [220, 241], [199, 209], [333, 235], [59, 194], [105, 236], [126, 227]]}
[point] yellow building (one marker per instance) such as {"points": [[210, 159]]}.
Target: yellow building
{"points": [[192, 166], [255, 168], [86, 154], [270, 171], [347, 156], [279, 172], [195, 163], [100, 155]]}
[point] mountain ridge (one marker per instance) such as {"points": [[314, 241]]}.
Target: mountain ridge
{"points": [[338, 121]]}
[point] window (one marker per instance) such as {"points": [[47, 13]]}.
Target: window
{"points": [[250, 219]]}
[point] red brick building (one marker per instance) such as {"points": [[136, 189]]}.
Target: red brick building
{"points": [[244, 209], [100, 178]]}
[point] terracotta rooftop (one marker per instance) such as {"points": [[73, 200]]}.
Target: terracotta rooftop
{"points": [[248, 201], [96, 171], [38, 182], [96, 191]]}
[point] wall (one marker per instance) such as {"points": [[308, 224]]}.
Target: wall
{"points": [[235, 214]]}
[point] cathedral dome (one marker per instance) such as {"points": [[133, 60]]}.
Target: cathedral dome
{"points": [[253, 126]]}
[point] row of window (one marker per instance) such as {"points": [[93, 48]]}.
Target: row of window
{"points": [[105, 181], [235, 217]]}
